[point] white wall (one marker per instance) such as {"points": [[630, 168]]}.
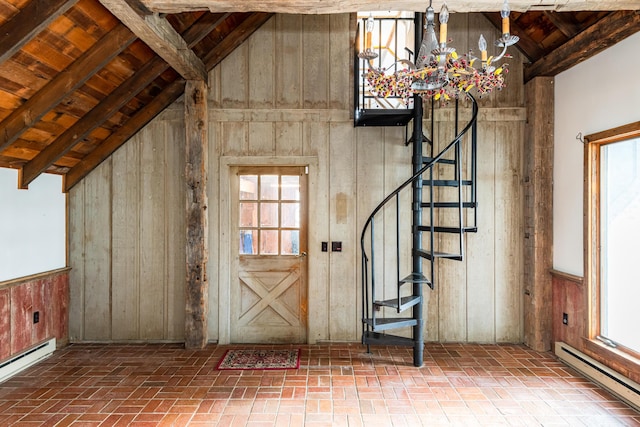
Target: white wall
{"points": [[598, 94], [32, 225]]}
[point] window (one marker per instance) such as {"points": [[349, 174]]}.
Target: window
{"points": [[613, 236], [269, 222]]}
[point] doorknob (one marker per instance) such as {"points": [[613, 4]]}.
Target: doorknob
{"points": [[302, 255]]}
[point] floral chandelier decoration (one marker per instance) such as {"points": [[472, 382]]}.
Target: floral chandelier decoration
{"points": [[439, 72]]}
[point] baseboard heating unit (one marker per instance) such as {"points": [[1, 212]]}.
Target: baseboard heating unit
{"points": [[624, 388], [26, 359]]}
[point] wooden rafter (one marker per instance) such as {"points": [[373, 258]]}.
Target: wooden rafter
{"points": [[161, 37], [29, 22], [564, 23], [25, 116], [160, 102], [110, 105], [122, 135], [342, 6], [610, 30]]}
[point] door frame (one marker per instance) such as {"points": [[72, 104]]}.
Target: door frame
{"points": [[319, 307]]}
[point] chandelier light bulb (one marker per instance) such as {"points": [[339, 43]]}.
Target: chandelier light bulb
{"points": [[505, 17], [443, 16], [370, 24], [482, 45]]}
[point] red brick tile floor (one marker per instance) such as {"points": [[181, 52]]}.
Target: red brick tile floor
{"points": [[336, 385]]}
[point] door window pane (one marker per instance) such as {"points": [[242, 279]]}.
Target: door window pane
{"points": [[268, 214], [269, 242], [291, 215], [248, 214], [290, 187], [268, 187], [290, 242], [249, 187], [248, 242], [619, 234]]}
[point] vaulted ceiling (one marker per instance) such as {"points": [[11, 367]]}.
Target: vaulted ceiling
{"points": [[78, 78]]}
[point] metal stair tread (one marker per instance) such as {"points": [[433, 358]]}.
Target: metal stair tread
{"points": [[448, 204], [385, 323], [455, 230], [415, 278], [427, 159], [377, 338], [405, 302], [446, 182], [428, 255]]}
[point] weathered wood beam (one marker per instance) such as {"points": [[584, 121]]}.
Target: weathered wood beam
{"points": [[344, 6], [25, 116], [169, 95], [196, 171], [564, 23], [29, 22], [235, 38], [538, 214], [110, 105], [161, 37], [610, 30]]}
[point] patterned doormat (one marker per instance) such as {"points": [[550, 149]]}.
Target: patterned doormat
{"points": [[260, 359]]}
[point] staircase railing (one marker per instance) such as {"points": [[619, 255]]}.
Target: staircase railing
{"points": [[369, 279]]}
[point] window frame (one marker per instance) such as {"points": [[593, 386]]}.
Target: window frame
{"points": [[622, 357]]}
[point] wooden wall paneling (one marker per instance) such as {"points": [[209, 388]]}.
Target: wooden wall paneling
{"points": [[344, 322], [316, 143], [234, 78], [451, 275], [175, 253], [5, 323], [126, 223], [152, 232], [216, 264], [288, 54], [234, 139], [97, 254], [288, 138], [370, 187], [41, 291], [262, 141], [261, 48], [316, 62], [60, 310], [340, 60], [76, 260], [481, 251], [395, 165], [21, 317], [509, 231]]}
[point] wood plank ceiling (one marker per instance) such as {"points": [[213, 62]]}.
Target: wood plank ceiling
{"points": [[78, 78]]}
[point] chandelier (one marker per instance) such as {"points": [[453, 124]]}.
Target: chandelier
{"points": [[439, 72]]}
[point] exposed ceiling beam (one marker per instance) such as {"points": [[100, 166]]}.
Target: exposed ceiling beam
{"points": [[235, 38], [161, 37], [343, 6], [122, 135], [160, 102], [65, 82], [110, 105], [610, 30], [29, 22], [565, 24]]}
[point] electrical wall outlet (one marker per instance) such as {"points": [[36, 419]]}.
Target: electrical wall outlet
{"points": [[565, 319]]}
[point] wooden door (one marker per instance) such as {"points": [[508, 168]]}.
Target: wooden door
{"points": [[269, 291]]}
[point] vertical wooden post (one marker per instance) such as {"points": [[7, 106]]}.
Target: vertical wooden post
{"points": [[538, 211], [196, 126]]}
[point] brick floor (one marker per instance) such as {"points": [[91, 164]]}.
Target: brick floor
{"points": [[336, 385]]}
